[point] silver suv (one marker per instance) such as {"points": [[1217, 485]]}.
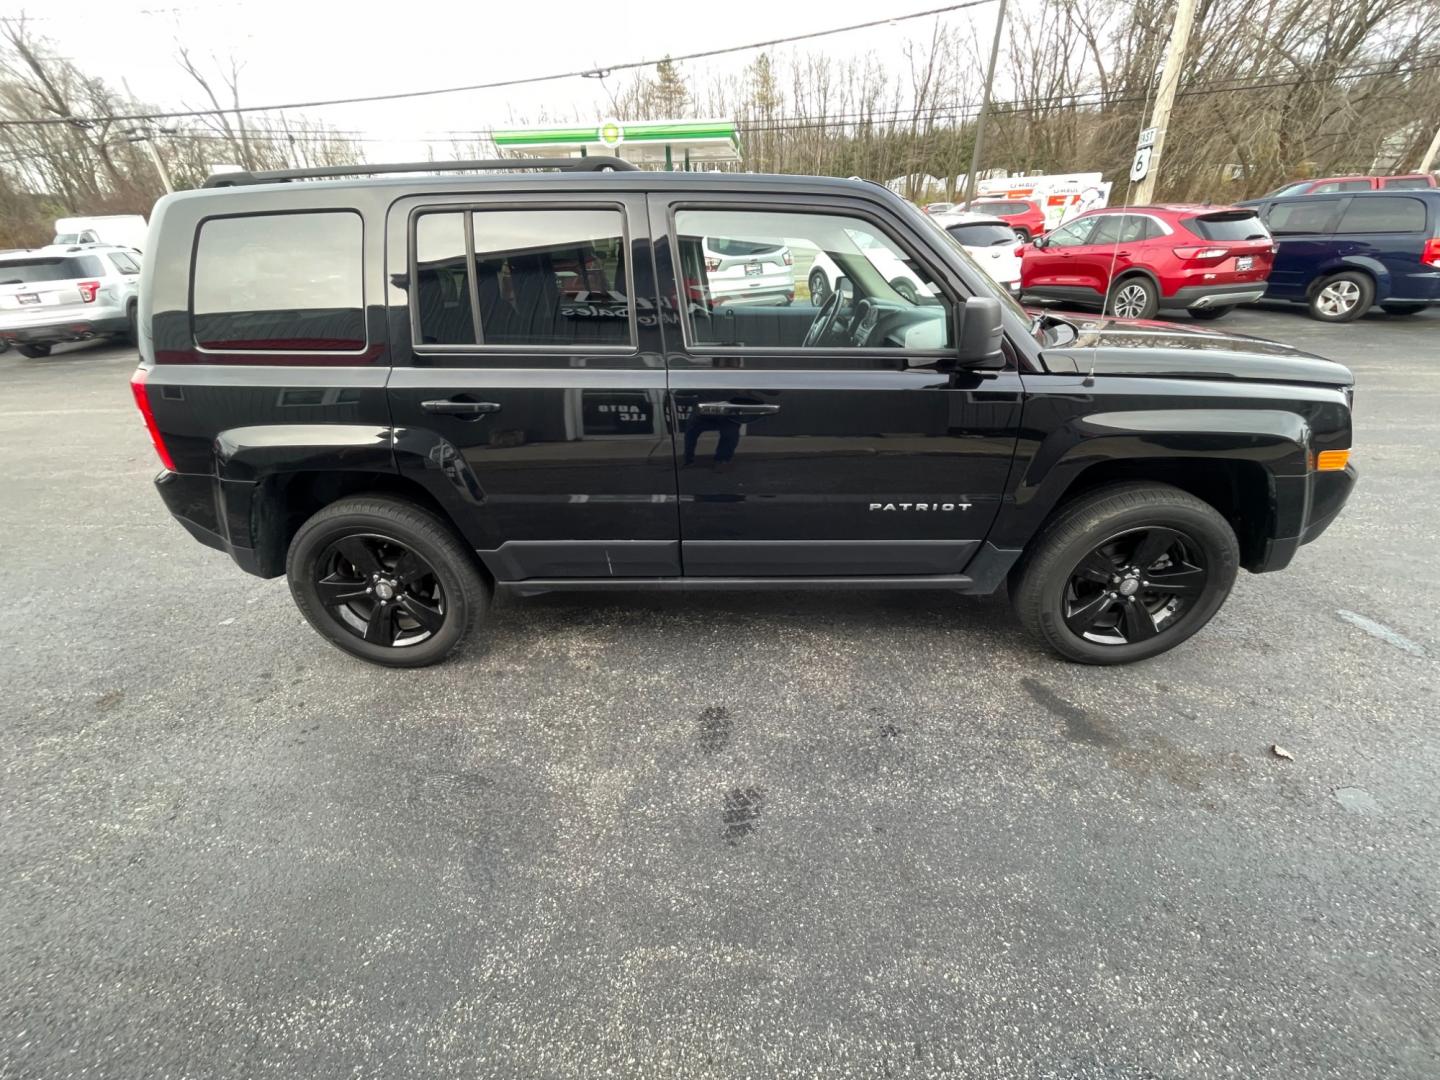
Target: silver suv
{"points": [[67, 293]]}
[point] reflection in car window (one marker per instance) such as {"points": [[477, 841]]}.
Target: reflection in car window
{"points": [[795, 280], [444, 313], [1072, 235], [280, 281]]}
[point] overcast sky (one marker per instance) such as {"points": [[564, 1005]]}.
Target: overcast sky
{"points": [[297, 50]]}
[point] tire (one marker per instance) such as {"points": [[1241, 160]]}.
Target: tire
{"points": [[131, 334], [819, 288], [34, 352], [1056, 587], [374, 528], [1133, 298], [906, 290], [1022, 234], [1403, 309], [1207, 314], [1342, 297]]}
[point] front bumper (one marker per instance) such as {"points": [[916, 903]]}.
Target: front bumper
{"points": [[1321, 495], [1214, 296]]}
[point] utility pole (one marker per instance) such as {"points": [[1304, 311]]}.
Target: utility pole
{"points": [[984, 107], [146, 135], [1164, 101], [1428, 161]]}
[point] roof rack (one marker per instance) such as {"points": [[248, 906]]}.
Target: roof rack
{"points": [[276, 176]]}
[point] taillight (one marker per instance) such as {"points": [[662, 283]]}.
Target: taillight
{"points": [[789, 259], [1019, 249], [88, 289], [142, 401], [1200, 253], [1431, 254], [712, 265]]}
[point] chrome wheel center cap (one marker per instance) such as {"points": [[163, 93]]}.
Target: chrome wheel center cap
{"points": [[1130, 586], [385, 591]]}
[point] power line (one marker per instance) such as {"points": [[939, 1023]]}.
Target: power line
{"points": [[590, 72]]}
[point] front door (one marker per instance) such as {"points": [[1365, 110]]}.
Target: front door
{"points": [[831, 440], [528, 393]]}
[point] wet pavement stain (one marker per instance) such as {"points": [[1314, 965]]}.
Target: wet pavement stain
{"points": [[108, 700], [740, 813], [889, 731], [1357, 800], [1080, 726], [715, 729]]}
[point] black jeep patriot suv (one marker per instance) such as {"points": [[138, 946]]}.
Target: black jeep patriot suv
{"points": [[405, 392]]}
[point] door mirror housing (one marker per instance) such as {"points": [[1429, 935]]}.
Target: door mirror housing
{"points": [[1039, 242], [980, 333]]}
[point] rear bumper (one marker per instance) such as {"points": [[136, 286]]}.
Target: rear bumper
{"points": [[216, 512], [1213, 296], [51, 332]]}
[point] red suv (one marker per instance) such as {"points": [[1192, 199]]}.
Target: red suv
{"points": [[1133, 261], [1022, 215], [1329, 185]]}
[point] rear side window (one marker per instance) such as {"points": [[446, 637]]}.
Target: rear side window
{"points": [[1303, 216], [1407, 183], [280, 282], [1227, 227], [53, 268], [1382, 214], [982, 234]]}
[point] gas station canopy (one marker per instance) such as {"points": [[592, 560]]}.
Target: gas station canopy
{"points": [[671, 144]]}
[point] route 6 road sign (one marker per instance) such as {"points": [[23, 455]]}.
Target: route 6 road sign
{"points": [[1141, 165]]}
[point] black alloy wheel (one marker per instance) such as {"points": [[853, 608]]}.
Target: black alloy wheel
{"points": [[380, 591], [1135, 586]]}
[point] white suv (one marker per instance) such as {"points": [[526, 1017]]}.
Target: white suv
{"points": [[67, 293], [748, 271]]}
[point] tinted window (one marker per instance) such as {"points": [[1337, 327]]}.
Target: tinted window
{"points": [[55, 268], [1002, 208], [1071, 235], [124, 263], [982, 234], [444, 311], [727, 246], [1407, 183], [552, 277], [1248, 227], [1302, 216], [1340, 185], [280, 281], [769, 298], [1382, 214], [1107, 229]]}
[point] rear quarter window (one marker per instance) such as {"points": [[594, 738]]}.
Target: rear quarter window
{"points": [[287, 282], [1382, 214]]}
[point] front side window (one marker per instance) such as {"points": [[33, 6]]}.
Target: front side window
{"points": [[1071, 235], [1383, 215], [280, 282], [767, 279]]}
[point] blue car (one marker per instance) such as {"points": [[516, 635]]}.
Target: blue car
{"points": [[1342, 254]]}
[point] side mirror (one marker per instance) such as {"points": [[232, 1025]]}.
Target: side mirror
{"points": [[980, 333], [1039, 241]]}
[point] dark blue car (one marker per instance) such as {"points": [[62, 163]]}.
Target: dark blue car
{"points": [[1341, 254]]}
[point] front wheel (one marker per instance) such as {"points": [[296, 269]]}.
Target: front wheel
{"points": [[1125, 573], [386, 581], [1208, 313], [1133, 298], [34, 352]]}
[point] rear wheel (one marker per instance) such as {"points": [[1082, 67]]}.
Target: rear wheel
{"points": [[1208, 313], [1125, 573], [1342, 297], [1133, 298], [34, 352], [1022, 234], [1402, 309], [386, 581], [819, 287]]}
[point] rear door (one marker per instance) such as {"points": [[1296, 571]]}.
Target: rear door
{"points": [[843, 446], [528, 391], [1304, 233]]}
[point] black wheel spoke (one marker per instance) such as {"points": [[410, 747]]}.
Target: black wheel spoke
{"points": [[429, 617], [1096, 567], [380, 627], [336, 590], [1153, 544], [1137, 622], [360, 553], [410, 567], [1184, 580], [1084, 615]]}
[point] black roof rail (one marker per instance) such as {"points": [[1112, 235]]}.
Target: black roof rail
{"points": [[598, 163]]}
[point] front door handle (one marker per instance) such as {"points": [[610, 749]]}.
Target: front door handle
{"points": [[460, 408], [731, 408]]}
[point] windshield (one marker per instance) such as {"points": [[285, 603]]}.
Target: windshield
{"points": [[1228, 227], [55, 268], [982, 234]]}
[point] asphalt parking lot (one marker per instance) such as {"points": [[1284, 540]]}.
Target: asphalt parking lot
{"points": [[713, 836]]}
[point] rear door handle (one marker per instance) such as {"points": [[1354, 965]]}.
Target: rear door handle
{"points": [[731, 408], [460, 408]]}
